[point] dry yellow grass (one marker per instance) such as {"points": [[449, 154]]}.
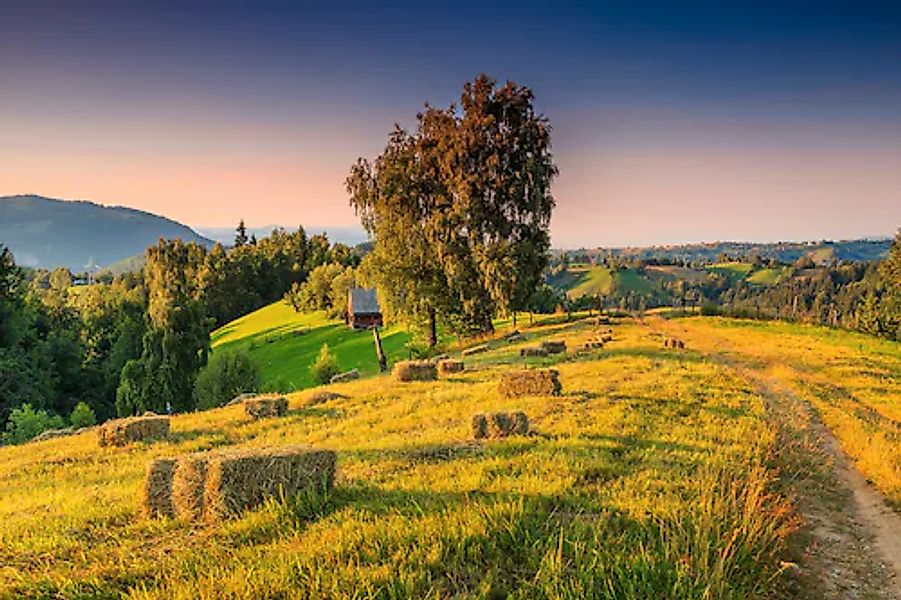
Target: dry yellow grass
{"points": [[645, 478]]}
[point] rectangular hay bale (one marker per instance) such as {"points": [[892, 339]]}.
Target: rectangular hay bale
{"points": [[157, 494], [346, 376], [450, 365], [530, 382], [554, 346], [120, 432], [415, 370], [475, 350], [266, 406], [188, 484], [241, 480], [499, 424], [532, 351]]}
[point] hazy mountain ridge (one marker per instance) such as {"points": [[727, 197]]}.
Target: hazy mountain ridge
{"points": [[822, 251], [48, 233]]}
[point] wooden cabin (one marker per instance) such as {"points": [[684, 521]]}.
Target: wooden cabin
{"points": [[363, 310]]}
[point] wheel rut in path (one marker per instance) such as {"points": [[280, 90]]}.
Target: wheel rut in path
{"points": [[851, 538]]}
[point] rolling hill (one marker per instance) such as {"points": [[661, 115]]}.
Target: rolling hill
{"points": [[47, 233], [656, 473], [284, 343]]}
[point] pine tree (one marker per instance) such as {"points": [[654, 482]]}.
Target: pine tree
{"points": [[241, 235]]}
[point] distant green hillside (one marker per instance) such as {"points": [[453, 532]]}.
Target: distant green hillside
{"points": [[284, 343], [786, 252], [581, 280], [584, 280], [47, 233]]}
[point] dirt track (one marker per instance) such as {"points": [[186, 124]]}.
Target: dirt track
{"points": [[850, 543]]}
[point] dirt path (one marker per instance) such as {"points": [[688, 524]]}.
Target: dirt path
{"points": [[850, 544]]}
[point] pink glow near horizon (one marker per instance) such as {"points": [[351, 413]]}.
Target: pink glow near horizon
{"points": [[677, 185]]}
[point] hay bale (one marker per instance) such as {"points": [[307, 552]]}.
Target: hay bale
{"points": [[554, 346], [241, 480], [266, 406], [450, 365], [188, 483], [681, 344], [320, 396], [530, 382], [606, 338], [346, 376], [239, 399], [475, 350], [532, 351], [415, 370], [120, 432], [52, 434], [499, 424], [439, 358], [157, 497]]}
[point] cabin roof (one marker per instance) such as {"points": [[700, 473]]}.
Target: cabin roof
{"points": [[362, 301]]}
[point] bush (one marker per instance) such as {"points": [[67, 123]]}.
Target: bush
{"points": [[82, 416], [710, 310], [325, 367], [229, 373], [25, 423]]}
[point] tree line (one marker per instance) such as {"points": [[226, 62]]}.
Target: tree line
{"points": [[138, 341]]}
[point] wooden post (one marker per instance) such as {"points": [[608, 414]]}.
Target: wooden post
{"points": [[383, 361]]}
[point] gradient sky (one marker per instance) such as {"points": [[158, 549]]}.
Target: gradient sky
{"points": [[673, 121]]}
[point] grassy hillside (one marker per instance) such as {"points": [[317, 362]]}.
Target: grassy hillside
{"points": [[584, 280], [284, 343], [651, 476]]}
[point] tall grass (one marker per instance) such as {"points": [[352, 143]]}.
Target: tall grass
{"points": [[643, 480]]}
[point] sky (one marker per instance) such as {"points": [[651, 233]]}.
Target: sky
{"points": [[673, 122]]}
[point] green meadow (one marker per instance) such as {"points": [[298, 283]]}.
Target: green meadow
{"points": [[284, 343]]}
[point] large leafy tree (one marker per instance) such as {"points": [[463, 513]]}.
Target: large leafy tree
{"points": [[177, 340], [459, 210]]}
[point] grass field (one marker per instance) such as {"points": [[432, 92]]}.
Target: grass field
{"points": [[769, 277], [652, 476], [734, 271], [284, 343], [852, 380], [579, 281]]}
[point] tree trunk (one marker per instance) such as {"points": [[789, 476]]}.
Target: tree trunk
{"points": [[383, 360], [514, 319], [433, 329]]}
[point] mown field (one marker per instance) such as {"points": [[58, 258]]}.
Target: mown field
{"points": [[283, 343], [654, 475]]}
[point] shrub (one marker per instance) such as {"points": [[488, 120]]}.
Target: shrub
{"points": [[82, 416], [710, 310], [228, 374], [325, 367], [25, 423]]}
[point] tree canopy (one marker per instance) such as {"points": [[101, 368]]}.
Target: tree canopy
{"points": [[459, 210]]}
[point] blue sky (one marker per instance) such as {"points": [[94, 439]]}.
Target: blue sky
{"points": [[673, 121]]}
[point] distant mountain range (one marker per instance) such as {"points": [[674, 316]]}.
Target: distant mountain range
{"points": [[344, 235], [47, 233]]}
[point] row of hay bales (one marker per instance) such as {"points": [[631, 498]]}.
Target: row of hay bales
{"points": [[544, 348], [673, 343], [601, 339], [426, 370], [211, 486]]}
